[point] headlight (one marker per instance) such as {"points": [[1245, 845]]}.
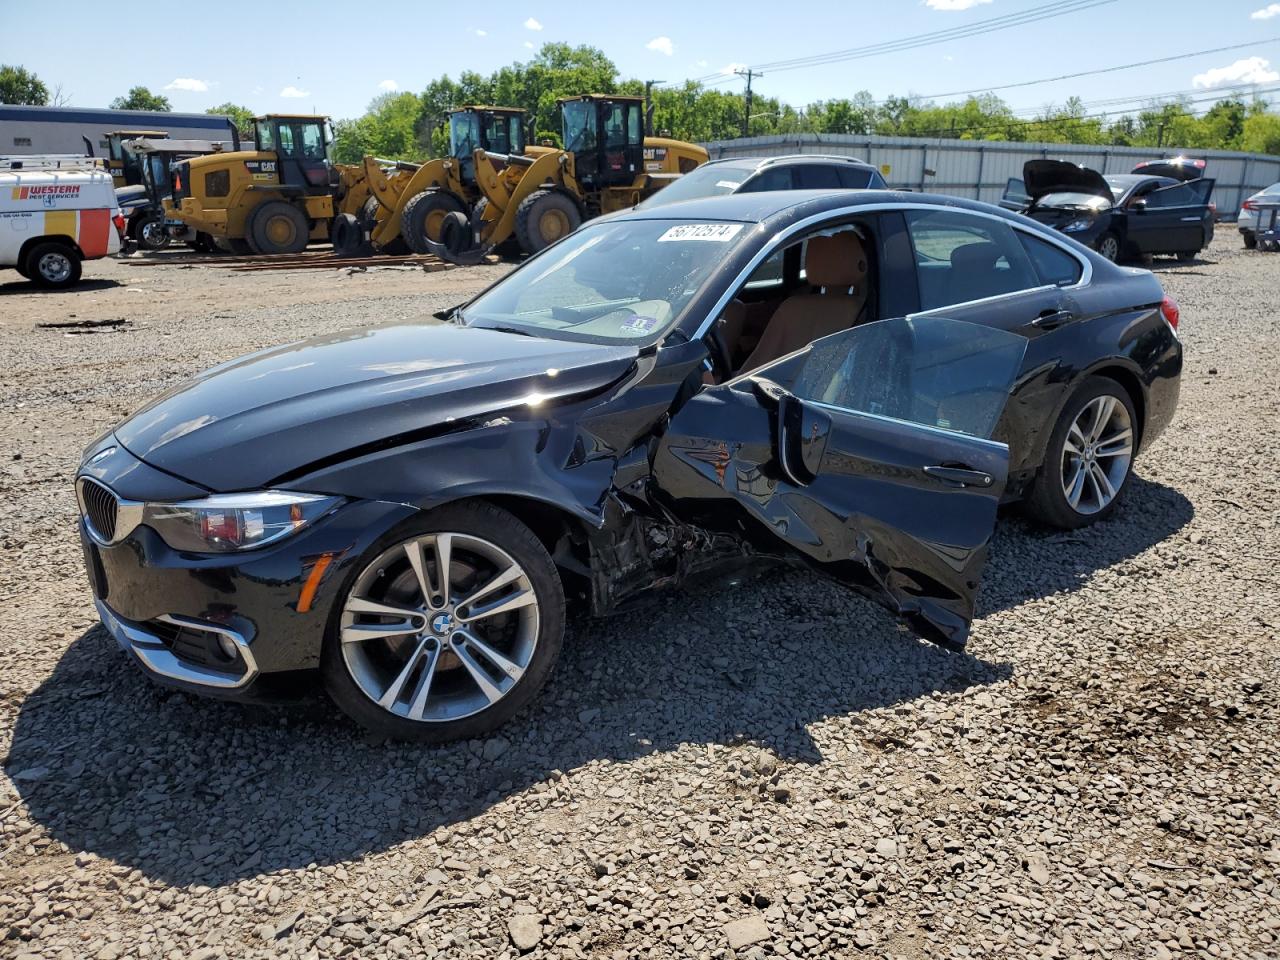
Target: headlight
{"points": [[1077, 225], [227, 522]]}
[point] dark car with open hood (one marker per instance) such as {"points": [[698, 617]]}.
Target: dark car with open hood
{"points": [[848, 382], [1161, 207]]}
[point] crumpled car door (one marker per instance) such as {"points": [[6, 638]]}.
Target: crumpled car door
{"points": [[869, 458]]}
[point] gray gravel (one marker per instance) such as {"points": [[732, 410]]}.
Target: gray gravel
{"points": [[1095, 776]]}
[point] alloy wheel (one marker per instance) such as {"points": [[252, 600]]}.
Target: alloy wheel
{"points": [[55, 267], [1096, 454], [1109, 247], [440, 627]]}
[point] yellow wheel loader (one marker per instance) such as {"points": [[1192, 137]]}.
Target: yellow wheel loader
{"points": [[274, 199], [409, 201], [608, 164]]}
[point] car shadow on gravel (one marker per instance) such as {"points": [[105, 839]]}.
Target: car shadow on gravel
{"points": [[195, 791], [20, 285]]}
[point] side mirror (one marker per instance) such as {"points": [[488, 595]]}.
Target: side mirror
{"points": [[1138, 206], [800, 431]]}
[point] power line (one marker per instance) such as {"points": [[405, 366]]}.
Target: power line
{"points": [[1090, 73], [977, 28]]}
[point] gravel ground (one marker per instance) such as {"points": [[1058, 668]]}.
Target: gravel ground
{"points": [[1095, 776]]}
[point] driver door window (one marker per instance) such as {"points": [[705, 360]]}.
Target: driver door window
{"points": [[286, 140]]}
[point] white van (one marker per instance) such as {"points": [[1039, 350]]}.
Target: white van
{"points": [[54, 214]]}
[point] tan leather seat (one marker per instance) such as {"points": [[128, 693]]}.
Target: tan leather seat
{"points": [[837, 266]]}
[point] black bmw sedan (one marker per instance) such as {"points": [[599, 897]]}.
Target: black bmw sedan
{"points": [[850, 382]]}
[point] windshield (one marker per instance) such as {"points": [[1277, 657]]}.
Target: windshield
{"points": [[1089, 201], [464, 134], [579, 125], [713, 180], [619, 281]]}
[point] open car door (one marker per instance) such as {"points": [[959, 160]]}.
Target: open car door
{"points": [[867, 455]]}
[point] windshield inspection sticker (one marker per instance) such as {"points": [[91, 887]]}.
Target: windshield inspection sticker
{"points": [[638, 325], [715, 232]]}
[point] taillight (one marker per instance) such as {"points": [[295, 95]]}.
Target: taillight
{"points": [[118, 220], [1250, 205], [1169, 310], [1213, 208]]}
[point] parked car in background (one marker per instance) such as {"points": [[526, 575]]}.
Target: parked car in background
{"points": [[801, 171], [1138, 214], [55, 213], [408, 506], [1247, 221]]}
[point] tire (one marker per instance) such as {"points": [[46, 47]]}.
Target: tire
{"points": [[1250, 239], [456, 234], [484, 541], [369, 213], [150, 233], [347, 236], [279, 227], [423, 217], [52, 265], [1050, 501], [544, 217], [1186, 256], [1109, 247]]}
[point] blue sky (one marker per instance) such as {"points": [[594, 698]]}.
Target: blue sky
{"points": [[308, 56]]}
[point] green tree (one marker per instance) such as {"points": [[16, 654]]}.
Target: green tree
{"points": [[20, 86], [388, 129], [242, 117], [1261, 132], [140, 98]]}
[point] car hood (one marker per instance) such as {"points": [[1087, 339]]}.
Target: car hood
{"points": [[1043, 177], [247, 423]]}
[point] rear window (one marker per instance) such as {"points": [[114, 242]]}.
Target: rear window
{"points": [[814, 176], [1052, 263], [859, 178]]}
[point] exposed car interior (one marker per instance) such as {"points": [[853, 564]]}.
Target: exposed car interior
{"points": [[810, 289]]}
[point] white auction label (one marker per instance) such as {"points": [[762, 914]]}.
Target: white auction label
{"points": [[715, 232]]}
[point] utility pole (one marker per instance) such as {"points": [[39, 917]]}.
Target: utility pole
{"points": [[746, 112], [648, 106]]}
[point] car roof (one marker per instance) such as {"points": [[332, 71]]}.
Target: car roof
{"points": [[759, 163], [771, 207]]}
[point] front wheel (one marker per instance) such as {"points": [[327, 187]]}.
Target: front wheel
{"points": [[152, 233], [448, 627], [53, 266], [1109, 246], [1089, 457]]}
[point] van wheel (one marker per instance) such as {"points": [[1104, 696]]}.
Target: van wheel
{"points": [[151, 233], [279, 227], [53, 266]]}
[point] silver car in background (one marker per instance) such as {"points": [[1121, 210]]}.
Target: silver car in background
{"points": [[1247, 221]]}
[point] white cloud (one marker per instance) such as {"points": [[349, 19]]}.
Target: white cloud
{"points": [[732, 68], [482, 33], [528, 44], [293, 93], [953, 4], [389, 85], [1266, 13], [188, 84], [532, 24], [661, 45], [1248, 70], [701, 63]]}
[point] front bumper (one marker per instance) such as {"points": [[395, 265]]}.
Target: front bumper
{"points": [[222, 624]]}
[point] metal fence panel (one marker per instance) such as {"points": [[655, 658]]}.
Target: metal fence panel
{"points": [[979, 169]]}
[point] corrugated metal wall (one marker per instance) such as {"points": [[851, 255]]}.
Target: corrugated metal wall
{"points": [[979, 169]]}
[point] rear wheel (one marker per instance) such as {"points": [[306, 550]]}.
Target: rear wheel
{"points": [[1250, 239], [1186, 256], [448, 628], [1109, 246], [1089, 457], [279, 227], [424, 215], [544, 217], [53, 265]]}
